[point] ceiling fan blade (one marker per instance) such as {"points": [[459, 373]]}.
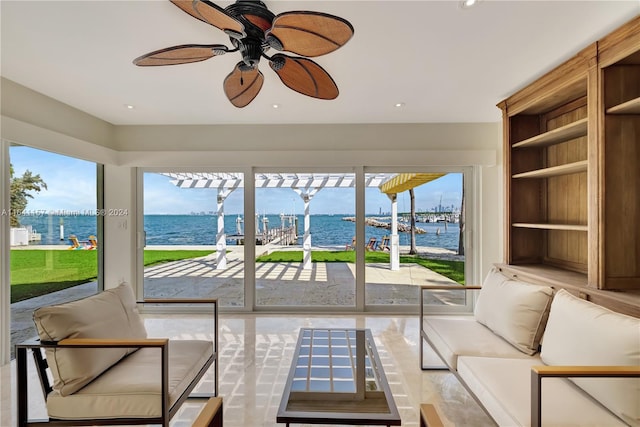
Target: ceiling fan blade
{"points": [[309, 33], [182, 54], [243, 84], [212, 14], [304, 76]]}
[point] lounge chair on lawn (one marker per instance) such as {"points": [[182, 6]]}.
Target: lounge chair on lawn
{"points": [[371, 246], [352, 246], [77, 244], [384, 245]]}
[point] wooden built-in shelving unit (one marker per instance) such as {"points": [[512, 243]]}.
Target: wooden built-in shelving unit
{"points": [[572, 172]]}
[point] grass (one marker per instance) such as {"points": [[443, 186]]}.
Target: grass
{"points": [[454, 270], [162, 256], [37, 272]]}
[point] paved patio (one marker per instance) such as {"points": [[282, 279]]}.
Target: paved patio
{"points": [[277, 285]]}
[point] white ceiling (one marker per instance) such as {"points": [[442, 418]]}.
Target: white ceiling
{"points": [[446, 64]]}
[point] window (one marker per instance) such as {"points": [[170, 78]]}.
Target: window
{"points": [[55, 228]]}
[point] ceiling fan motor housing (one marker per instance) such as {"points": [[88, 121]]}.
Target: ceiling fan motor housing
{"points": [[251, 50], [254, 15], [256, 19]]}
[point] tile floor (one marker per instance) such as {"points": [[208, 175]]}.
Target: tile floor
{"points": [[255, 355]]}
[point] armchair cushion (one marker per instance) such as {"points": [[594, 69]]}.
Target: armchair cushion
{"points": [[109, 314], [582, 333], [132, 387], [516, 311]]}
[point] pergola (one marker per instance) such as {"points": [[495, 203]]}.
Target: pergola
{"points": [[306, 185]]}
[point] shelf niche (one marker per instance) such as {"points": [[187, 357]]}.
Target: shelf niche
{"points": [[572, 172]]}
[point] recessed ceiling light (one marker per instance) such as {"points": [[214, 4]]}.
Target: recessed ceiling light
{"points": [[399, 105], [276, 106], [129, 106], [466, 4]]}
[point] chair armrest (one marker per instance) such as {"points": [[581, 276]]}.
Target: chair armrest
{"points": [[544, 371], [111, 342], [181, 301], [429, 417], [211, 414], [448, 287]]}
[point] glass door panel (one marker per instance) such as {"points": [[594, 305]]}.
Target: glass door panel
{"points": [[397, 264], [193, 223], [305, 228]]}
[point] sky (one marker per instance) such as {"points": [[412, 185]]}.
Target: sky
{"points": [[71, 186]]}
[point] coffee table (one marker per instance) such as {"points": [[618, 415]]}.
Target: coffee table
{"points": [[336, 378]]}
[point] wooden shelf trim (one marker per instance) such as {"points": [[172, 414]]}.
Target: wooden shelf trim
{"points": [[556, 136], [630, 107], [542, 226], [565, 169]]}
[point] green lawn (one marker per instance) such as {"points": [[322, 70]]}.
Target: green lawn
{"points": [[37, 272], [451, 269]]}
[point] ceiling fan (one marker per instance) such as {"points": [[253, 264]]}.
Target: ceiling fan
{"points": [[253, 30]]}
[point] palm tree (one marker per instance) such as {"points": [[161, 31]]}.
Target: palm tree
{"points": [[461, 223], [412, 196], [19, 189]]}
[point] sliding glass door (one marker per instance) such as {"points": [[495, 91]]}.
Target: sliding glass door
{"points": [[301, 230]]}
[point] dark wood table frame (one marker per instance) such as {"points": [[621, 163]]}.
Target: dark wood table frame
{"points": [[336, 377]]}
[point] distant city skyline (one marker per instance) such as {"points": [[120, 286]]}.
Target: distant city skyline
{"points": [[71, 186]]}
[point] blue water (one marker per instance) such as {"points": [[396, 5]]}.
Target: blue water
{"points": [[326, 230]]}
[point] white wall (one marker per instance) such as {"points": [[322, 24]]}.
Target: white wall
{"points": [[119, 237]]}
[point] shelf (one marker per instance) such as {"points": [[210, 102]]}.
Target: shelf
{"points": [[556, 136], [629, 107], [567, 227], [566, 169]]}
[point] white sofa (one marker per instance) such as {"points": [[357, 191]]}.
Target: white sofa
{"points": [[520, 333], [104, 368]]}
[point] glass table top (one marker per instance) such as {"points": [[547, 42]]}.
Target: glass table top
{"points": [[327, 362]]}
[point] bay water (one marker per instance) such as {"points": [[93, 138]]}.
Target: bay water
{"points": [[330, 231]]}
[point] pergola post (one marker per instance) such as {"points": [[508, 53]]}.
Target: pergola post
{"points": [[306, 240], [394, 255], [221, 237], [306, 194]]}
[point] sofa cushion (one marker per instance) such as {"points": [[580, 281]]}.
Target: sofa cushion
{"points": [[453, 336], [517, 311], [109, 314], [131, 388], [503, 386], [582, 333]]}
